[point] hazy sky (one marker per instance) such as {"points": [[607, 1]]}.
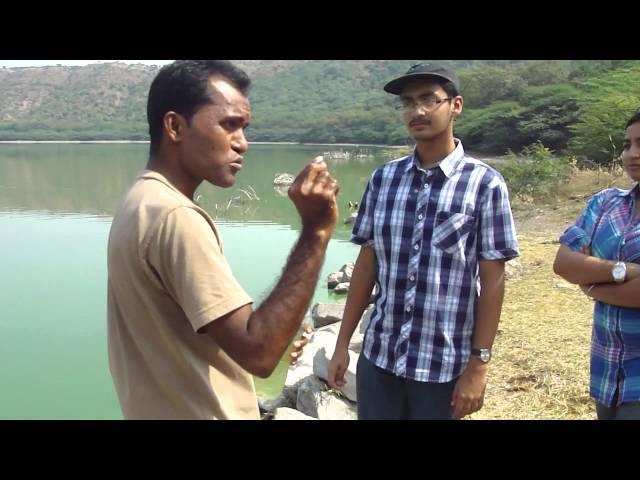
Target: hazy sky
{"points": [[42, 63]]}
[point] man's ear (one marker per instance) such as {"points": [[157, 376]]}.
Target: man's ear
{"points": [[174, 126], [458, 103], [456, 108]]}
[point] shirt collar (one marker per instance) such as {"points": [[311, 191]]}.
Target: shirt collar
{"points": [[448, 165]]}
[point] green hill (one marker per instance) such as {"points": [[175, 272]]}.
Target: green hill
{"points": [[572, 105]]}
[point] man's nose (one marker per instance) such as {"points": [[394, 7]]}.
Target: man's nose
{"points": [[240, 143]]}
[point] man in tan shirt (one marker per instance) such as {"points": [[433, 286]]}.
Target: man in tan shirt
{"points": [[183, 338]]}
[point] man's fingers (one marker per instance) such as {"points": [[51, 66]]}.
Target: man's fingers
{"points": [[336, 377], [323, 182], [331, 374], [299, 344], [333, 187], [468, 406], [479, 403], [463, 408], [316, 168], [306, 177]]}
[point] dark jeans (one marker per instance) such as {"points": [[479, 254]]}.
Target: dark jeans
{"points": [[626, 411], [384, 396]]}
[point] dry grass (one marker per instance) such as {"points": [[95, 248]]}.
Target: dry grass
{"points": [[554, 212], [540, 368]]}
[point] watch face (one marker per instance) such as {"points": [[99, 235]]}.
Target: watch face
{"points": [[485, 355], [619, 272]]}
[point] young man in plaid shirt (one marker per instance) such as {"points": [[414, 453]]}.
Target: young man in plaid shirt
{"points": [[435, 229]]}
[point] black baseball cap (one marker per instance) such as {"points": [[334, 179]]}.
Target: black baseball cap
{"points": [[422, 70]]}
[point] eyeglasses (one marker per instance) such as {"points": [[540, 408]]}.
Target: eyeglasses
{"points": [[429, 102]]}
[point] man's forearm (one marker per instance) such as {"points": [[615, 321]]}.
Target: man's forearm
{"points": [[489, 303], [489, 308], [468, 394], [277, 320], [625, 294], [362, 282], [581, 269]]}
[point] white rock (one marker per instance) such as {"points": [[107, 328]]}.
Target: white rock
{"points": [[334, 328], [342, 287], [351, 218], [334, 279], [321, 369], [322, 339], [327, 336], [285, 413], [326, 313], [281, 401], [314, 400], [374, 293], [347, 271], [303, 368], [283, 179]]}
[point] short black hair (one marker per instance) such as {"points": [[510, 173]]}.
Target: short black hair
{"points": [[634, 119], [183, 87], [449, 87]]}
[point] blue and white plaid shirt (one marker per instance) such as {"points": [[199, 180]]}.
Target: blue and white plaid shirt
{"points": [[428, 230], [607, 226]]}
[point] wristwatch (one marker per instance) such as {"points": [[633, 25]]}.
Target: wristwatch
{"points": [[619, 272], [483, 353]]}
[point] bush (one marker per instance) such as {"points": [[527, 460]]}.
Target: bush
{"points": [[535, 173], [608, 101]]}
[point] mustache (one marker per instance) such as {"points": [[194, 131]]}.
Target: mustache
{"points": [[420, 121]]}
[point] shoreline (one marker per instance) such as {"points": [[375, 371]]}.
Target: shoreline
{"points": [[63, 142]]}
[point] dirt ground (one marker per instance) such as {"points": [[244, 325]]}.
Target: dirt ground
{"points": [[540, 365]]}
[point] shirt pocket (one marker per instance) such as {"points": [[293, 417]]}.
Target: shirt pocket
{"points": [[451, 231]]}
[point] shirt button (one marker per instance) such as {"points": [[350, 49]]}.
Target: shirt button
{"points": [[420, 217], [408, 309], [412, 278], [426, 185], [416, 247]]}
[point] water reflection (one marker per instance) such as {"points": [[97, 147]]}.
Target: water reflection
{"points": [[91, 179]]}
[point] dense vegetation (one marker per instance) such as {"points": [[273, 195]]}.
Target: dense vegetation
{"points": [[570, 107]]}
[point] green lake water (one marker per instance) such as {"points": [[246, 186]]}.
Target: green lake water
{"points": [[56, 203]]}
